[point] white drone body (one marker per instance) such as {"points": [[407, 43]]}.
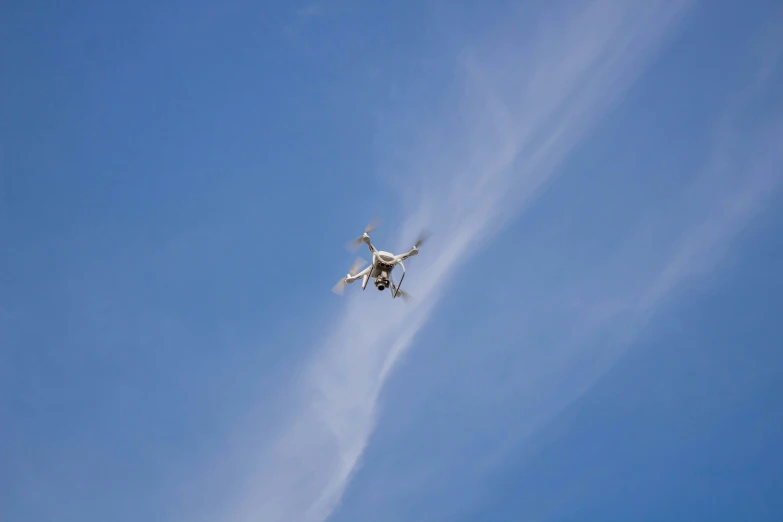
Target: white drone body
{"points": [[380, 269]]}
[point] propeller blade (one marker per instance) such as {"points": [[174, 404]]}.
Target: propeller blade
{"points": [[424, 236], [405, 296], [372, 225], [353, 245], [357, 266], [339, 288]]}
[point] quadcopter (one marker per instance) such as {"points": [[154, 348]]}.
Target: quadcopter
{"points": [[381, 266]]}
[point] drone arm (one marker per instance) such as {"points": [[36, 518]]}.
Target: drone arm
{"points": [[366, 239], [412, 252], [351, 279]]}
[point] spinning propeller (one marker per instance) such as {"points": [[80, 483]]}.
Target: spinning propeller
{"points": [[405, 296], [353, 245], [355, 269], [424, 236]]}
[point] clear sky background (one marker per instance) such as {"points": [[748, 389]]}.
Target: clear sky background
{"points": [[596, 331]]}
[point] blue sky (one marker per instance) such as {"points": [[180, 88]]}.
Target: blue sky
{"points": [[594, 334]]}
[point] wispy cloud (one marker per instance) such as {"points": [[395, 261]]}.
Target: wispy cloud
{"points": [[527, 98], [607, 310]]}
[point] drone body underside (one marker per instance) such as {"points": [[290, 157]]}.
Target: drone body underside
{"points": [[380, 270]]}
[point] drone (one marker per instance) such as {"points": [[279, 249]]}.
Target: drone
{"points": [[380, 268]]}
